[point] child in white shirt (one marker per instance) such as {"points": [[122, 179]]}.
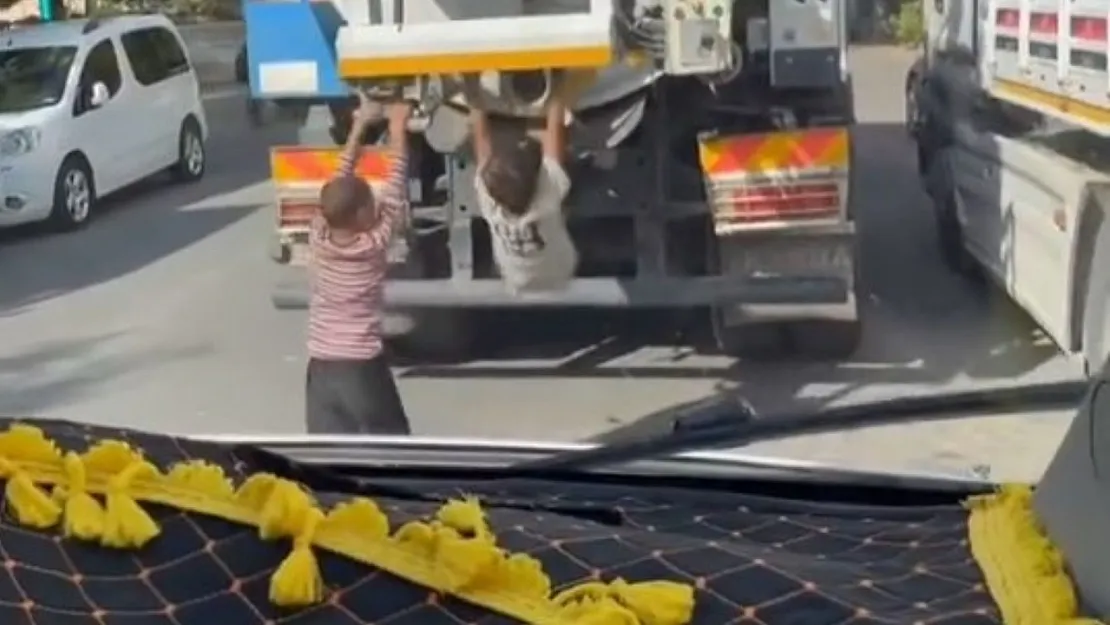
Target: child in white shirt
{"points": [[521, 185]]}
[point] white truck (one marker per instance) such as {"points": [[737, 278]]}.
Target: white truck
{"points": [[1010, 110], [711, 152]]}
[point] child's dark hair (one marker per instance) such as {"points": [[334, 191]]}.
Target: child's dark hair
{"points": [[512, 172], [343, 198]]}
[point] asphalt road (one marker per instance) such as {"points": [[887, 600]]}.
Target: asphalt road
{"points": [[158, 317]]}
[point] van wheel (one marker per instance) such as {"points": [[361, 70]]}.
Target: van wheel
{"points": [[74, 195], [191, 155]]}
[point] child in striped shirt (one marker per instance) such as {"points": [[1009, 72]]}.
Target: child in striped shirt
{"points": [[349, 387]]}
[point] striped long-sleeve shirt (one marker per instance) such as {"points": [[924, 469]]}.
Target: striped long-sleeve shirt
{"points": [[346, 307]]}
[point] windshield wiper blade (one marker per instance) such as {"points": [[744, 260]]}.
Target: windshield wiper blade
{"points": [[744, 430]]}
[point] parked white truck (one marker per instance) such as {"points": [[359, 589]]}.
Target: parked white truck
{"points": [[1010, 109]]}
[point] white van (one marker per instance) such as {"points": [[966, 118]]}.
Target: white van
{"points": [[89, 106]]}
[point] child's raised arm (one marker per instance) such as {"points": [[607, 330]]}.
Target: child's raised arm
{"points": [[393, 202], [555, 129], [366, 113], [479, 129]]}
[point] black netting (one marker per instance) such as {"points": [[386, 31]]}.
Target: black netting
{"points": [[753, 560]]}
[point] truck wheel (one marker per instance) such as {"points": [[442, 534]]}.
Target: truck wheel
{"points": [[751, 341], [437, 335], [923, 161], [826, 339], [950, 238], [913, 110], [1096, 305], [831, 339]]}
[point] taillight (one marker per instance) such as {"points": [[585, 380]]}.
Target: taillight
{"points": [[1008, 18], [293, 213], [1044, 24], [1091, 29], [779, 202]]}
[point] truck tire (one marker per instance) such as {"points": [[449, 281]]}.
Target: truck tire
{"points": [[438, 335], [752, 341], [815, 339], [831, 339], [1096, 304], [950, 237], [826, 339], [809, 339], [912, 114], [242, 68]]}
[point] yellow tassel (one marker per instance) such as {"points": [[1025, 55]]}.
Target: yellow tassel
{"points": [[31, 506], [466, 517], [285, 511], [597, 611], [606, 613], [126, 524], [463, 562], [297, 581], [647, 603], [84, 518], [525, 576], [656, 603], [358, 516]]}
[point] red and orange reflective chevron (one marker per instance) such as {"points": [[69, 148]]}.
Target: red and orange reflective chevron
{"points": [[817, 148]]}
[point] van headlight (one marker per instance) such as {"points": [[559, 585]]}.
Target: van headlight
{"points": [[19, 141]]}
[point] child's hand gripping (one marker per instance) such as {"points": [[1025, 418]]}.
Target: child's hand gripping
{"points": [[395, 192]]}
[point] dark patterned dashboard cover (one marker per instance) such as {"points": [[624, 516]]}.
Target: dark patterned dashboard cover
{"points": [[109, 527]]}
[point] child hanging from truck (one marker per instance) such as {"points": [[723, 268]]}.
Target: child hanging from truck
{"points": [[349, 388], [521, 185]]}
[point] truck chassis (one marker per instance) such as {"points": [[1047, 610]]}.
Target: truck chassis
{"points": [[640, 219]]}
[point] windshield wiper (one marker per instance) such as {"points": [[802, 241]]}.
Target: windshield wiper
{"points": [[729, 424]]}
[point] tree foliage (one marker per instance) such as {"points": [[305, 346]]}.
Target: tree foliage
{"points": [[909, 24]]}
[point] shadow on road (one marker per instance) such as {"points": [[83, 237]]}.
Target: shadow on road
{"points": [[143, 223], [924, 325], [39, 270], [56, 373]]}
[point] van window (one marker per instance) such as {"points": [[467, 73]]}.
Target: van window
{"points": [[101, 65], [32, 78], [154, 54]]}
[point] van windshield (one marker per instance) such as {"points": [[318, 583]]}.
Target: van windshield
{"points": [[32, 78]]}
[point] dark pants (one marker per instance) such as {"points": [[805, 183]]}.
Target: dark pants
{"points": [[353, 397]]}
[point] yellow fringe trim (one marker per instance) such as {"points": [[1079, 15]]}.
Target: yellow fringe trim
{"points": [[454, 553], [1024, 571]]}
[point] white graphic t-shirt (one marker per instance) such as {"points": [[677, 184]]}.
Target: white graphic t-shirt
{"points": [[533, 250]]}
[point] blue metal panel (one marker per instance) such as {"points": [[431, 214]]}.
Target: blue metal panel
{"points": [[294, 32]]}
